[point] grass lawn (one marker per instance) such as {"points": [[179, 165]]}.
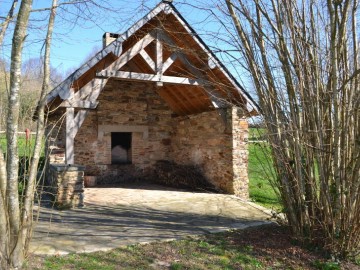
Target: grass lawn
{"points": [[257, 134], [24, 148], [260, 171], [265, 247]]}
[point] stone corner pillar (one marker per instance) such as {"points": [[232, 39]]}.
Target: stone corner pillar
{"points": [[240, 132], [67, 185]]}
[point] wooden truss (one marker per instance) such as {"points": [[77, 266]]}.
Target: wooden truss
{"points": [[86, 97]]}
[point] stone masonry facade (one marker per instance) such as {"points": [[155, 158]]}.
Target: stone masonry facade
{"points": [[215, 141], [66, 184]]}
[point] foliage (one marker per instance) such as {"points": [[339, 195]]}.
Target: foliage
{"points": [[327, 265], [24, 147]]}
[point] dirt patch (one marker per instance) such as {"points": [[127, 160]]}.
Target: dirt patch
{"points": [[274, 247]]}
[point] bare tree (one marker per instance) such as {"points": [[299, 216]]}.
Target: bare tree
{"points": [[14, 252], [15, 212], [303, 58], [7, 21]]}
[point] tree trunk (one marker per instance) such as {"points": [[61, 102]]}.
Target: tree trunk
{"points": [[27, 216], [12, 162]]}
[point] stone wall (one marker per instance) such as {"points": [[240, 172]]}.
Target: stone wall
{"points": [[240, 153], [210, 141], [125, 107], [66, 184], [215, 143]]}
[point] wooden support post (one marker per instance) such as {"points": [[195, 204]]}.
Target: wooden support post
{"points": [[69, 151], [73, 124]]}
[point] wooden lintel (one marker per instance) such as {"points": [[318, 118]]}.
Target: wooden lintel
{"points": [[125, 75], [85, 104]]}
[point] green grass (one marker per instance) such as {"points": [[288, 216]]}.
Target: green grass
{"points": [[208, 252], [260, 173], [257, 134], [240, 249], [24, 147]]}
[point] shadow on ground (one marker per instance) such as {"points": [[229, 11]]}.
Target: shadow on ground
{"points": [[120, 216]]}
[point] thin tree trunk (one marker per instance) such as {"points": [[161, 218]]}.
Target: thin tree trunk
{"points": [[4, 239], [27, 216], [12, 162], [3, 178], [303, 59]]}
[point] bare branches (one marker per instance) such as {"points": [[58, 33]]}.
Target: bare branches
{"points": [[7, 21], [304, 59]]}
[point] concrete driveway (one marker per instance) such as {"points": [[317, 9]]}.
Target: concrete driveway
{"points": [[139, 213]]}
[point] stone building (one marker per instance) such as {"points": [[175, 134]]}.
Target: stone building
{"points": [[154, 93]]}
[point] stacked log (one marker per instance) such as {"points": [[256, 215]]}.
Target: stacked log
{"points": [[181, 176]]}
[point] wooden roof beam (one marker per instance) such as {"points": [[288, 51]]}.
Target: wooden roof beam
{"points": [[85, 104], [169, 62], [135, 76], [216, 99], [86, 97], [130, 53], [148, 59]]}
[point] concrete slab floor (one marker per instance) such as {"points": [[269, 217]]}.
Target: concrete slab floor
{"points": [[139, 213]]}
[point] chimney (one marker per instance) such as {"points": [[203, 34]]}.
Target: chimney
{"points": [[108, 38]]}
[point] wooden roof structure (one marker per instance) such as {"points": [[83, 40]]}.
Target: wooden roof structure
{"points": [[160, 48]]}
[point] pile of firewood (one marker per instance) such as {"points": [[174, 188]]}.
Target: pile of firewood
{"points": [[181, 176]]}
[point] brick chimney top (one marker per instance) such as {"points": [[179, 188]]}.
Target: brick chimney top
{"points": [[108, 38]]}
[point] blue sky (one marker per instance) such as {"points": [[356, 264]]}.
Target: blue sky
{"points": [[73, 42], [78, 34]]}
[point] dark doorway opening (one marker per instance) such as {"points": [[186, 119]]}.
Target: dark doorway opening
{"points": [[121, 148]]}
